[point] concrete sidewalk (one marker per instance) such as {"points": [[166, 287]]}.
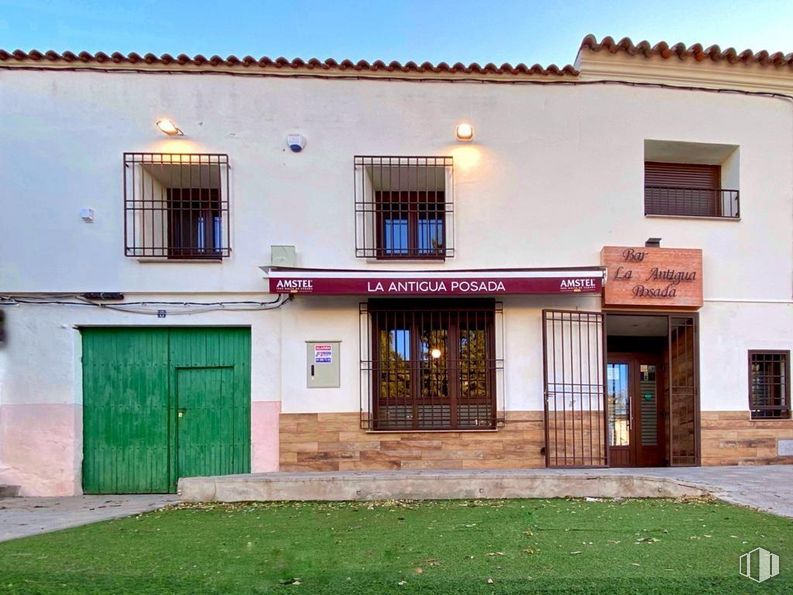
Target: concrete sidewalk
{"points": [[22, 517], [765, 487]]}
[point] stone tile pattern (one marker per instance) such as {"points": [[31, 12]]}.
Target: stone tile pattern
{"points": [[335, 442], [732, 438]]}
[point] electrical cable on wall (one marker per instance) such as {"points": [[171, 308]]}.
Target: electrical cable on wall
{"points": [[150, 308]]}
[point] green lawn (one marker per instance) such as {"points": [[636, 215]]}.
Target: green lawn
{"points": [[512, 546]]}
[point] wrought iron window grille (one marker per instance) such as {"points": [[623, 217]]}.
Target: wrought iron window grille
{"points": [[404, 207], [176, 206], [769, 384], [426, 366]]}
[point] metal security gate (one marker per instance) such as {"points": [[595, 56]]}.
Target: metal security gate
{"points": [[574, 373], [159, 404]]}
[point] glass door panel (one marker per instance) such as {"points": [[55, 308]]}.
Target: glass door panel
{"points": [[619, 405]]}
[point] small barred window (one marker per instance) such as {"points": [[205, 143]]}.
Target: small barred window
{"points": [[769, 384]]}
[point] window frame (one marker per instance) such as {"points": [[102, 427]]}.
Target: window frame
{"points": [[150, 218], [677, 197], [412, 214], [450, 312], [209, 208], [785, 408]]}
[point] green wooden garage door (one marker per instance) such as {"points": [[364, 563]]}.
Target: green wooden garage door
{"points": [[159, 404]]}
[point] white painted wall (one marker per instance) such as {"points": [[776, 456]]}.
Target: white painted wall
{"points": [[727, 332], [554, 174]]}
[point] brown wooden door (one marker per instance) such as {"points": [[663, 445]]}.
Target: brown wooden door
{"points": [[635, 394]]}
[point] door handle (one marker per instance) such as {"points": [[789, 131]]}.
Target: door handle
{"points": [[312, 370]]}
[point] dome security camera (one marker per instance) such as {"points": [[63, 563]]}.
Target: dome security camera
{"points": [[296, 142]]}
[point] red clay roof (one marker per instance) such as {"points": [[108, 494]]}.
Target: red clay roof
{"points": [[679, 50], [248, 64], [100, 58]]}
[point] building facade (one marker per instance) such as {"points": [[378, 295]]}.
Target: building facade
{"points": [[339, 266]]}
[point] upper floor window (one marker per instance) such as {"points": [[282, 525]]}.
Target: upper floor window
{"points": [[769, 384], [690, 180], [403, 207], [176, 205]]}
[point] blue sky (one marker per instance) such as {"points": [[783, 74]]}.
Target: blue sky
{"points": [[529, 31]]}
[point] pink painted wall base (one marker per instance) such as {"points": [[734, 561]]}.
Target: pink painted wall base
{"points": [[42, 446], [264, 435]]}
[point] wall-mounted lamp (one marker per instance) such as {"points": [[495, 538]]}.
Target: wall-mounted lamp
{"points": [[436, 353], [653, 243], [464, 132], [166, 126]]}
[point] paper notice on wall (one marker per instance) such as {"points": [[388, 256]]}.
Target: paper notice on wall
{"points": [[323, 354]]}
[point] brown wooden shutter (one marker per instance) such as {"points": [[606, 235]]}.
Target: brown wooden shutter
{"points": [[682, 175]]}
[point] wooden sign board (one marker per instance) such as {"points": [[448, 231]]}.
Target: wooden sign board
{"points": [[652, 277]]}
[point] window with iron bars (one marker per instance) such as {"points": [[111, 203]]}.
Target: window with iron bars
{"points": [[404, 207], [769, 385], [430, 366], [176, 206]]}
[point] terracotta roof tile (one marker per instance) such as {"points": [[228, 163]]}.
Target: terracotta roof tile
{"points": [[247, 64], [55, 59], [699, 53]]}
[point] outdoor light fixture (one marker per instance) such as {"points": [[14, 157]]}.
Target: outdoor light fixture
{"points": [[166, 126], [464, 132], [653, 243], [435, 353]]}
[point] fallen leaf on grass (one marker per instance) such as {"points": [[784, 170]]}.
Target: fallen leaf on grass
{"points": [[290, 581], [531, 550]]}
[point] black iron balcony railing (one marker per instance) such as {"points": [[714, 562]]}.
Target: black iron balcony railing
{"points": [[691, 202]]}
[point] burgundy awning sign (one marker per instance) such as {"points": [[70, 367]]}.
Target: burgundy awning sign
{"points": [[435, 283]]}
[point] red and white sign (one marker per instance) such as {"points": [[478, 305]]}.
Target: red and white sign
{"points": [[435, 283], [323, 354]]}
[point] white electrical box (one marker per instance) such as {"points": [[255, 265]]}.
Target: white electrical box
{"points": [[283, 256], [322, 364]]}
